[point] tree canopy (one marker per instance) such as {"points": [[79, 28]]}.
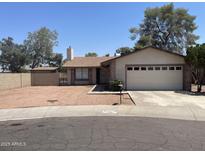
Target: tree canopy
{"points": [[166, 27], [91, 54], [40, 45], [107, 55], [124, 50], [36, 50], [55, 60], [13, 56], [196, 58]]}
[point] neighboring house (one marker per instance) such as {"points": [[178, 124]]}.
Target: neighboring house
{"points": [[145, 69], [44, 69], [44, 76]]}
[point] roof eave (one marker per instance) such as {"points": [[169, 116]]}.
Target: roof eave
{"points": [[141, 50], [81, 66]]}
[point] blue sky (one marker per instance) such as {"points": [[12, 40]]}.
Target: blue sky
{"points": [[99, 27]]}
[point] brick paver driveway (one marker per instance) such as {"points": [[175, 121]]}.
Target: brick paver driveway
{"points": [[56, 95]]}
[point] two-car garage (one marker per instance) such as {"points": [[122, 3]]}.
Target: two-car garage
{"points": [[154, 77], [151, 69]]}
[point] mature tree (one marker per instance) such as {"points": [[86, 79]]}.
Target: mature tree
{"points": [[55, 60], [167, 28], [124, 50], [196, 58], [13, 56], [107, 55], [40, 45], [91, 54]]}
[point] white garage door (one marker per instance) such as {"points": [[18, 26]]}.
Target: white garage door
{"points": [[163, 77]]}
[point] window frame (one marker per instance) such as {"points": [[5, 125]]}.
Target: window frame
{"points": [[171, 67], [164, 68], [129, 68], [143, 68], [136, 68], [178, 69], [82, 74], [150, 68], [157, 68]]}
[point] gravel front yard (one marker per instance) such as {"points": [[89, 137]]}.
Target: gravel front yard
{"points": [[56, 95]]}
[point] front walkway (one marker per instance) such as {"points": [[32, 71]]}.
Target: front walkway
{"points": [[170, 112]]}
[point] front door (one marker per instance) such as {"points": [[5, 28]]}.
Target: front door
{"points": [[98, 75]]}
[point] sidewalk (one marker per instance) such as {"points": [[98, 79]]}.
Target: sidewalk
{"points": [[184, 113]]}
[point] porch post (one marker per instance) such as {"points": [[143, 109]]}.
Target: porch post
{"points": [[90, 77]]}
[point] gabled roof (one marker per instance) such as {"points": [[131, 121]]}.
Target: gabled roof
{"points": [[167, 51], [86, 61]]}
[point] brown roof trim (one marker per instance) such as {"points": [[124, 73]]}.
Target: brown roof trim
{"points": [[44, 68], [82, 66], [144, 49], [85, 62]]}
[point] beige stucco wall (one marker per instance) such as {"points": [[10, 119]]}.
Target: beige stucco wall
{"points": [[69, 76], [18, 80], [147, 56], [14, 80], [26, 79], [104, 75], [45, 79], [112, 70], [93, 75]]}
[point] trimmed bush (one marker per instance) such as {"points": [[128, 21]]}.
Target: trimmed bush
{"points": [[114, 85]]}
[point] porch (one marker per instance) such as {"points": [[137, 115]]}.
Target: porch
{"points": [[88, 75]]}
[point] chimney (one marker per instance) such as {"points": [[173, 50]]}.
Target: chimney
{"points": [[70, 53]]}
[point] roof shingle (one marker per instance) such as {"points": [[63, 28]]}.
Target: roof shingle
{"points": [[86, 61]]}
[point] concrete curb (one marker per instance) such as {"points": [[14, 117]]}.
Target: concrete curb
{"points": [[131, 97], [90, 92], [103, 110], [104, 92]]}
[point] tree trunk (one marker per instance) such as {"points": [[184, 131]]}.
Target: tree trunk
{"points": [[194, 77], [199, 88]]}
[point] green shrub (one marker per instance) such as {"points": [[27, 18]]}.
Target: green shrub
{"points": [[114, 85]]}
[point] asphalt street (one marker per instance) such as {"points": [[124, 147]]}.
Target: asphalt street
{"points": [[102, 133]]}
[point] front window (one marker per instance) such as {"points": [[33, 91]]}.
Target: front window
{"points": [[81, 73]]}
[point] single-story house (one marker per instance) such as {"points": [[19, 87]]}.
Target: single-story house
{"points": [[149, 68]]}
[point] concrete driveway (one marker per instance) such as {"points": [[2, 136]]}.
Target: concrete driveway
{"points": [[168, 99]]}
